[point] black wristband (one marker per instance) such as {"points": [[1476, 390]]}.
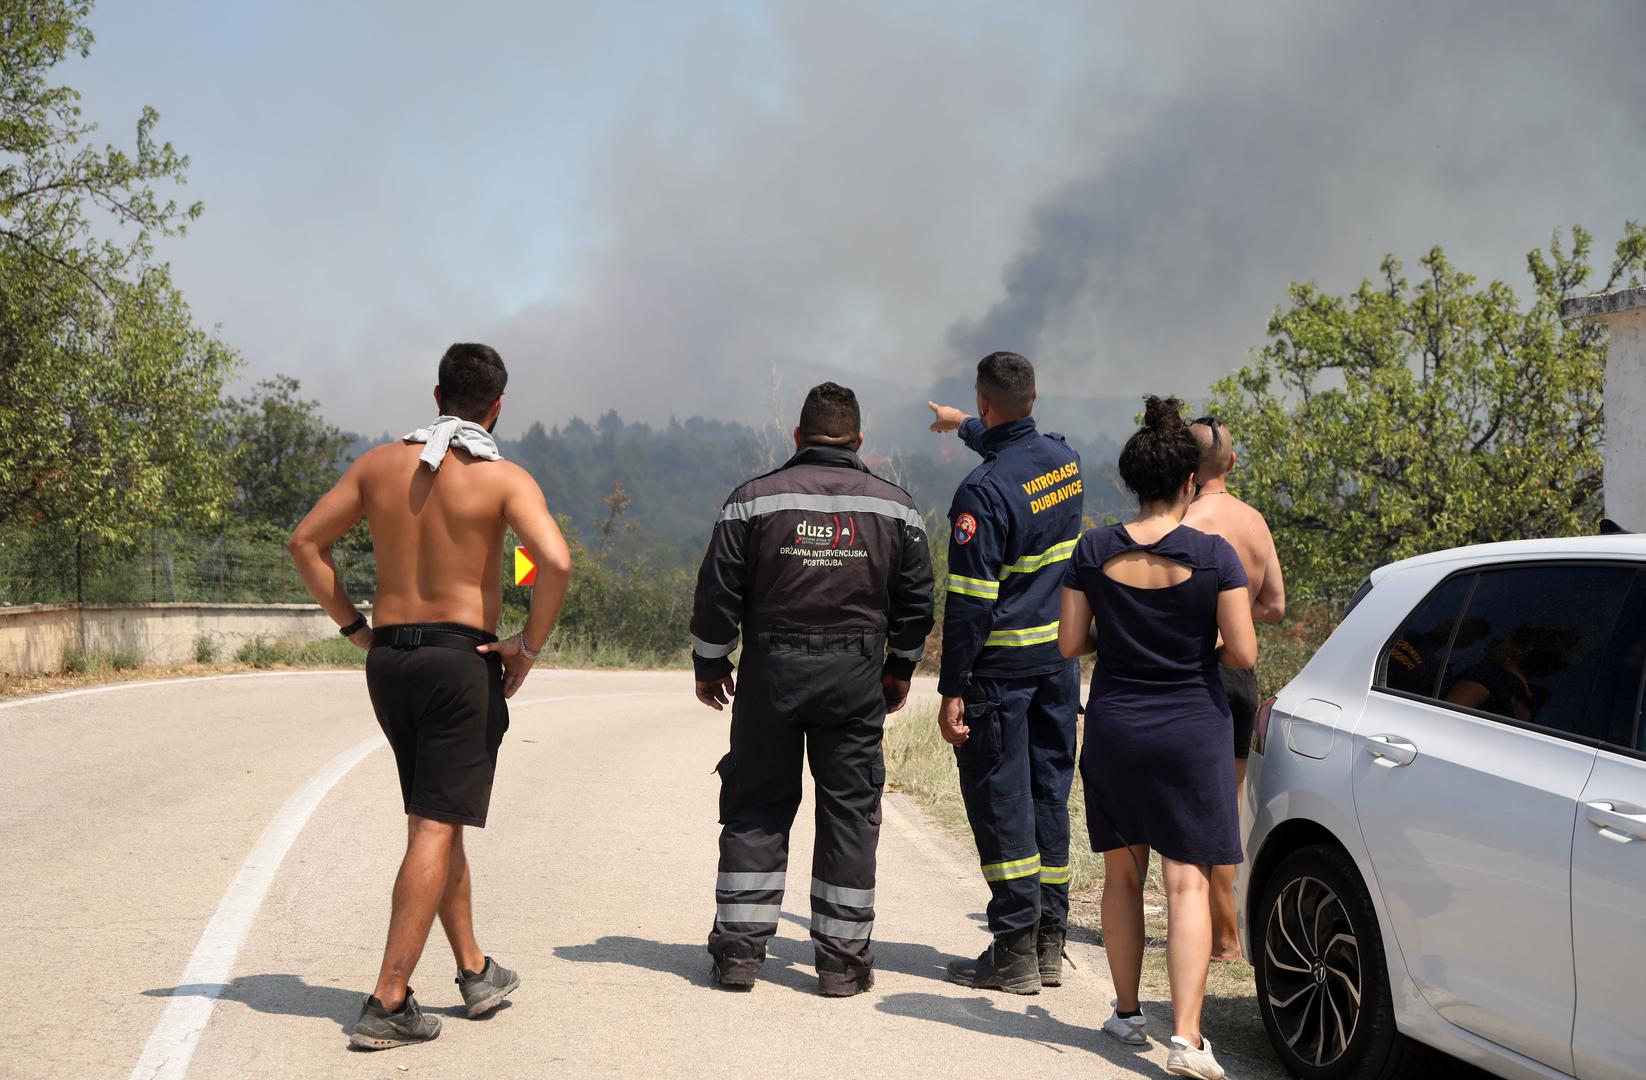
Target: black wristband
{"points": [[354, 627]]}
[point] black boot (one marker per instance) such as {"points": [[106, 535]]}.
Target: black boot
{"points": [[1010, 964], [736, 968], [834, 979], [1049, 943]]}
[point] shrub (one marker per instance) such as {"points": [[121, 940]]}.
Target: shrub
{"points": [[124, 659], [206, 649], [262, 652], [257, 651]]}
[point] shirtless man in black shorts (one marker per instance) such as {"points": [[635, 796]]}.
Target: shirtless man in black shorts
{"points": [[1216, 510], [437, 502]]}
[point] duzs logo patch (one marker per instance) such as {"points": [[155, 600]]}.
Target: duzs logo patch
{"points": [[835, 534], [965, 527]]}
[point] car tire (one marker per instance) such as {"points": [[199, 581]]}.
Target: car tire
{"points": [[1322, 984]]}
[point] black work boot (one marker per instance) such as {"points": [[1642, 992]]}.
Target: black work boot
{"points": [[1049, 944], [842, 982], [737, 967], [1010, 964]]}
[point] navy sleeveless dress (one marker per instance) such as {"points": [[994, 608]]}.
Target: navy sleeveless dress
{"points": [[1156, 763]]}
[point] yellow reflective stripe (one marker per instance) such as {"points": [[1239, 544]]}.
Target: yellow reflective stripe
{"points": [[1010, 871], [1029, 635], [1055, 875], [1055, 554], [970, 586]]}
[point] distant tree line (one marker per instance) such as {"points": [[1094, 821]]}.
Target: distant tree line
{"points": [[675, 478]]}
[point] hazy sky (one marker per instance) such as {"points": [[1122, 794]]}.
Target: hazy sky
{"points": [[654, 207]]}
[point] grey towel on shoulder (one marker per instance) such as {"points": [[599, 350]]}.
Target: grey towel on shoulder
{"points": [[448, 431]]}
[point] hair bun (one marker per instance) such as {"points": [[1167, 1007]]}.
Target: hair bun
{"points": [[1161, 415]]}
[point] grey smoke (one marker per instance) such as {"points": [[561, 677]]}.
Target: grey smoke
{"points": [[657, 208], [1305, 144]]}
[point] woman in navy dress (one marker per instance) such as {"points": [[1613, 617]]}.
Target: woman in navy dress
{"points": [[1151, 598]]}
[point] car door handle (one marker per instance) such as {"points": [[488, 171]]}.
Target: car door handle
{"points": [[1617, 821], [1391, 751]]}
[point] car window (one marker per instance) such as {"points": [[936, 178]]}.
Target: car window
{"points": [[1634, 703], [1532, 642], [1640, 722], [1620, 694], [1360, 594], [1615, 702], [1417, 655]]}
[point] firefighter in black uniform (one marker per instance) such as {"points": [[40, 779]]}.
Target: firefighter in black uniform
{"points": [[1010, 700], [825, 570]]}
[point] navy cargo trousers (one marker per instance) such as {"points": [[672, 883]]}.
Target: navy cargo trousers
{"points": [[1016, 768]]}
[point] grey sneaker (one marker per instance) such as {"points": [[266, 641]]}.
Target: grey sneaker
{"points": [[1185, 1059], [379, 1029], [485, 990]]}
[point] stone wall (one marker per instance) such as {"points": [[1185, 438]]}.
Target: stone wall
{"points": [[33, 637]]}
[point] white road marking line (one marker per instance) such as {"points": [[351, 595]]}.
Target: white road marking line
{"points": [[61, 694], [171, 1045]]}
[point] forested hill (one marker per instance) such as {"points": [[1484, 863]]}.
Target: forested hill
{"points": [[674, 478]]}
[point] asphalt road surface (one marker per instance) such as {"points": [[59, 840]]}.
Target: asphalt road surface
{"points": [[196, 882]]}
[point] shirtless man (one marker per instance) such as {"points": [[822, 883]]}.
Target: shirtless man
{"points": [[1216, 510], [437, 502]]}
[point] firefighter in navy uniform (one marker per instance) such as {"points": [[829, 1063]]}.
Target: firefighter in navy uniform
{"points": [[1010, 700], [824, 570]]}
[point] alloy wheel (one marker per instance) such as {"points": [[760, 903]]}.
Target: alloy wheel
{"points": [[1313, 972]]}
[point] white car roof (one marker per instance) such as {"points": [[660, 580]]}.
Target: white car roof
{"points": [[1615, 545]]}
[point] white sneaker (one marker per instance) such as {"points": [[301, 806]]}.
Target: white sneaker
{"points": [[1184, 1060], [1128, 1029]]}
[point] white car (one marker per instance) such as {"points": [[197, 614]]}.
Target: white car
{"points": [[1445, 822]]}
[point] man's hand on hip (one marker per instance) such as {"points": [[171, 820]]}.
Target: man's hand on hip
{"points": [[951, 721], [361, 638], [945, 418], [515, 663], [716, 693], [896, 691]]}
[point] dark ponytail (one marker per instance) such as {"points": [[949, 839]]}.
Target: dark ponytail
{"points": [[1161, 454]]}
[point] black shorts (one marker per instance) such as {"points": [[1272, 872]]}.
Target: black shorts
{"points": [[443, 712], [1240, 687]]}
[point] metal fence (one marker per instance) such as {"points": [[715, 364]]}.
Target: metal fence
{"points": [[166, 565]]}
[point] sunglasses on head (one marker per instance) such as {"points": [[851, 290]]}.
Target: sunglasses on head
{"points": [[1210, 422]]}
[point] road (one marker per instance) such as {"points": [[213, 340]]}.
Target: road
{"points": [[197, 875]]}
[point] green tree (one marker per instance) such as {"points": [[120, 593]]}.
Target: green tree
{"points": [[282, 454], [1411, 416], [108, 391]]}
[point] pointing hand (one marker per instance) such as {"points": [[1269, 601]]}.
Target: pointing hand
{"points": [[945, 418]]}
